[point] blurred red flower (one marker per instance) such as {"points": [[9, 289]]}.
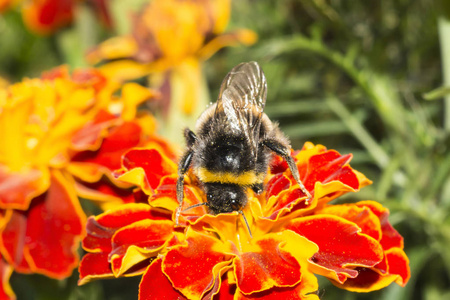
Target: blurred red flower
{"points": [[47, 16], [62, 135]]}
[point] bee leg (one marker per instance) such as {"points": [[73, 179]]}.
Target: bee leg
{"points": [[183, 166], [283, 151], [190, 137], [258, 188]]}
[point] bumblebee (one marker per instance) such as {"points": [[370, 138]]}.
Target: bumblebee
{"points": [[233, 144]]}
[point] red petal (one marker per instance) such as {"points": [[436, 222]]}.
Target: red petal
{"points": [[398, 264], [154, 164], [278, 165], [267, 266], [329, 166], [89, 137], [341, 246], [94, 266], [221, 290], [105, 193], [193, 268], [390, 237], [46, 236], [276, 184], [360, 215], [155, 285], [119, 140]]}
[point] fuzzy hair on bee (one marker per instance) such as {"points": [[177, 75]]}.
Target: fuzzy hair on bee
{"points": [[232, 145]]}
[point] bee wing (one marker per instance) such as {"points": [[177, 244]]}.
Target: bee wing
{"points": [[242, 98]]}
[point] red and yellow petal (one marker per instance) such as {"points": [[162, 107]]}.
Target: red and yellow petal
{"points": [[101, 229], [6, 291], [265, 265], [329, 166], [156, 285], [369, 280], [17, 189], [325, 173], [139, 241], [225, 292], [44, 238], [302, 249], [145, 168], [390, 237], [398, 264], [108, 156], [91, 135], [193, 268], [94, 266], [104, 193], [360, 215], [308, 150], [296, 292], [165, 197], [342, 247]]}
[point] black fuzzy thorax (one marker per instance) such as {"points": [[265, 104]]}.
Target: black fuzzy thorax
{"points": [[220, 149]]}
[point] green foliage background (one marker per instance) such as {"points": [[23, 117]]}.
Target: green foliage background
{"points": [[362, 77]]}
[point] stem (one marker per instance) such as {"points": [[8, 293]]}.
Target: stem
{"points": [[439, 177], [444, 37], [378, 154]]}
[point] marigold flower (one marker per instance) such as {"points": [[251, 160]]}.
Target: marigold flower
{"points": [[47, 16], [169, 40], [209, 256], [62, 135]]}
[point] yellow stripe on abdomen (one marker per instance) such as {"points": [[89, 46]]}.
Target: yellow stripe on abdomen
{"points": [[248, 178]]}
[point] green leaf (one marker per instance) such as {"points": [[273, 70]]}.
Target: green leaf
{"points": [[437, 93]]}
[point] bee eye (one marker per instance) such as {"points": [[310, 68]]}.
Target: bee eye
{"points": [[234, 204]]}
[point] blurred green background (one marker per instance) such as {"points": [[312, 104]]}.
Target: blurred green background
{"points": [[361, 77]]}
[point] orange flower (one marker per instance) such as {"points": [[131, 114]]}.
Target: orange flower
{"points": [[61, 137], [47, 16], [170, 39], [168, 33], [209, 256]]}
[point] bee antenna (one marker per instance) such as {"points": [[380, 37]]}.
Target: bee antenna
{"points": [[195, 205], [246, 223]]}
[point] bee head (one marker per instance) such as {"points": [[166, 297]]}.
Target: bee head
{"points": [[223, 198]]}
